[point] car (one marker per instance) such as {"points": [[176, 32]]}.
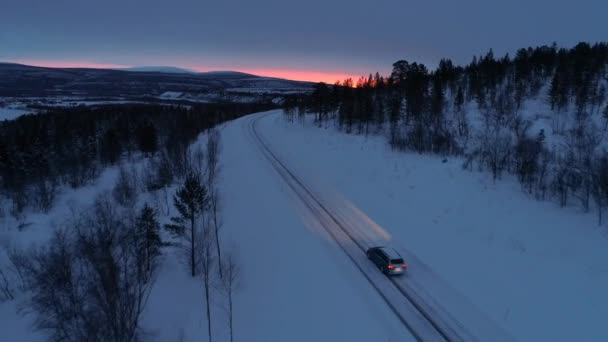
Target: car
{"points": [[387, 260]]}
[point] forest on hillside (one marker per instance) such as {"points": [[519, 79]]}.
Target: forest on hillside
{"points": [[541, 115]]}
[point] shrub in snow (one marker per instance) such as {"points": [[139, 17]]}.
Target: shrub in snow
{"points": [[87, 283]]}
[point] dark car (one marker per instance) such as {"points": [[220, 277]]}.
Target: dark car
{"points": [[387, 259]]}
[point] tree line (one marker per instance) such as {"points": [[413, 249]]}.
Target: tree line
{"points": [[432, 111], [41, 152]]}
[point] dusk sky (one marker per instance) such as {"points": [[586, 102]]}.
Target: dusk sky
{"points": [[313, 40]]}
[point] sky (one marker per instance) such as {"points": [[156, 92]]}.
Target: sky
{"points": [[317, 40]]}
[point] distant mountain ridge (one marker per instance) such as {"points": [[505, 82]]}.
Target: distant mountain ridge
{"points": [[165, 69], [18, 80]]}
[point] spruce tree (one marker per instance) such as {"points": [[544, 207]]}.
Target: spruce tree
{"points": [[148, 233], [191, 200]]}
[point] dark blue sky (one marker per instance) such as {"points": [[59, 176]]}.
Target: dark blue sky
{"points": [[335, 37]]}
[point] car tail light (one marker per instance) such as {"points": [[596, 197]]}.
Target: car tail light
{"points": [[404, 265], [390, 267]]}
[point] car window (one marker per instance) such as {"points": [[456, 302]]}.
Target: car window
{"points": [[397, 261]]}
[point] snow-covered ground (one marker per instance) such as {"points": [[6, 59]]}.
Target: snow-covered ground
{"points": [[294, 285], [15, 325], [535, 269]]}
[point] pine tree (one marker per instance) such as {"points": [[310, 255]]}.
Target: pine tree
{"points": [[399, 73], [148, 234], [378, 81], [191, 200]]}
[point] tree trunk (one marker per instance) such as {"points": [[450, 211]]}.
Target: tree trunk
{"points": [[192, 251], [599, 212], [208, 306], [230, 313], [147, 254], [168, 211], [217, 239]]}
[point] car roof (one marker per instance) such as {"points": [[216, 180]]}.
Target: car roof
{"points": [[390, 252]]}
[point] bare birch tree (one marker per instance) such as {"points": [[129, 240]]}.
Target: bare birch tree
{"points": [[230, 283], [213, 169], [207, 263]]}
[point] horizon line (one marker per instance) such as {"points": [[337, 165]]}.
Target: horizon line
{"points": [[287, 74]]}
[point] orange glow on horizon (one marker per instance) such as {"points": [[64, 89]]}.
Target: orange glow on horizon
{"points": [[295, 75], [290, 74]]}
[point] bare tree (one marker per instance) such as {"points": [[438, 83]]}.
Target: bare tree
{"points": [[18, 266], [213, 154], [207, 263], [196, 161], [6, 289], [545, 158], [496, 150], [561, 176], [213, 169], [161, 201], [158, 173], [230, 283], [19, 201], [84, 284], [583, 140], [44, 194], [600, 186], [216, 218], [125, 189]]}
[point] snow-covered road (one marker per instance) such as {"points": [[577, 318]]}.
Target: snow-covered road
{"points": [[421, 311], [483, 252], [422, 327], [298, 285]]}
